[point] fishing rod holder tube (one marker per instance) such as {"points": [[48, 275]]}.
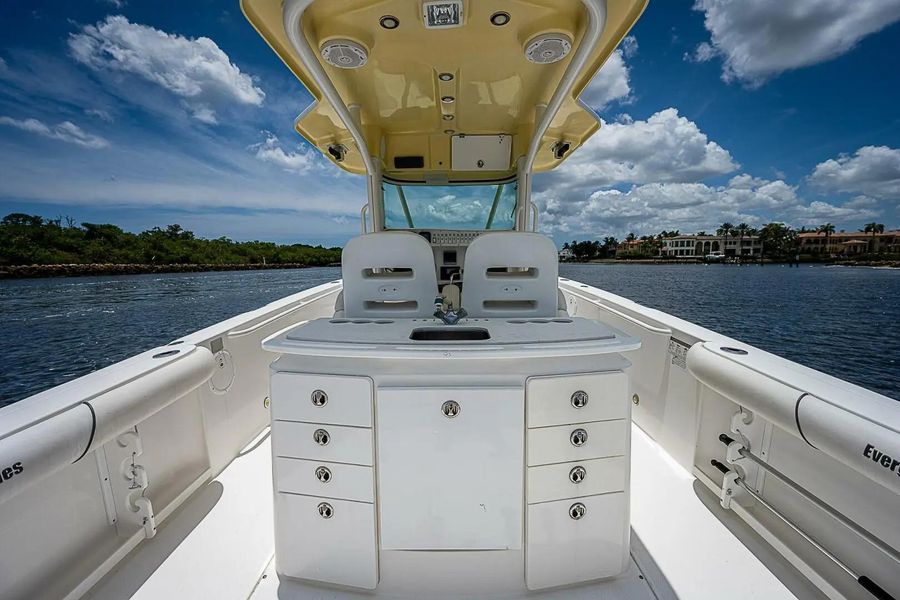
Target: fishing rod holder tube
{"points": [[34, 451], [861, 432]]}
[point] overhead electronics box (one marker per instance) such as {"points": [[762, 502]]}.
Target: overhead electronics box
{"points": [[480, 152]]}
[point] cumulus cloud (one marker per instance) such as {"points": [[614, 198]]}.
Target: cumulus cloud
{"points": [[196, 70], [667, 147], [65, 132], [689, 207], [871, 170], [760, 39], [297, 162], [612, 83]]}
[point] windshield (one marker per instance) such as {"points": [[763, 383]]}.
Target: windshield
{"points": [[450, 206]]}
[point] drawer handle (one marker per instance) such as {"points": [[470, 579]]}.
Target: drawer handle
{"points": [[576, 511], [450, 408], [323, 474], [578, 437], [577, 474], [326, 511], [579, 399], [318, 398], [322, 437]]}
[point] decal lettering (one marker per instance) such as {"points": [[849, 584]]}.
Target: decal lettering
{"points": [[881, 458], [8, 473]]}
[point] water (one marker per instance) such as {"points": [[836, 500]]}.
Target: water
{"points": [[840, 320]]}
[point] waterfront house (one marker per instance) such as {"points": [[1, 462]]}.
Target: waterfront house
{"points": [[849, 243], [698, 246]]}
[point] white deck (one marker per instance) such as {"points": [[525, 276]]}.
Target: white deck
{"points": [[220, 543]]}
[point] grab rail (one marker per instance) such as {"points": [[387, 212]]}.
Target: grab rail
{"points": [[629, 318], [362, 217]]}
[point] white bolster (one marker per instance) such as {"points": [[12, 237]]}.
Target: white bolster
{"points": [[43, 448], [866, 439]]}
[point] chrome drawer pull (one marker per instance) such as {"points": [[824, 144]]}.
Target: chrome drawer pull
{"points": [[577, 474], [578, 437], [318, 398], [323, 474], [322, 437], [576, 511], [326, 511], [579, 399], [450, 408]]}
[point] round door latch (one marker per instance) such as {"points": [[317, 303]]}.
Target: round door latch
{"points": [[579, 399], [318, 398], [577, 474], [322, 437], [578, 437], [326, 511], [323, 474], [576, 511], [450, 408]]}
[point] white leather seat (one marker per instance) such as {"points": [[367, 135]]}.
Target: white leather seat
{"points": [[388, 274], [511, 274]]}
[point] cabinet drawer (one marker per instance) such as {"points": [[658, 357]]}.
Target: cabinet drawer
{"points": [[345, 444], [561, 550], [322, 399], [570, 480], [556, 400], [548, 445], [340, 549], [320, 478]]}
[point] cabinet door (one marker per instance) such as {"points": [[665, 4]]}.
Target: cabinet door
{"points": [[562, 550], [336, 548], [564, 399], [575, 479], [322, 399], [326, 479], [450, 482]]}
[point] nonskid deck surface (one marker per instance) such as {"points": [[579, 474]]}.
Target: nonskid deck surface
{"points": [[221, 545], [631, 585]]}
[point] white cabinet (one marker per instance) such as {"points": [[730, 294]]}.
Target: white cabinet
{"points": [[565, 548], [315, 441], [450, 479], [326, 479], [568, 399], [325, 399], [326, 540]]}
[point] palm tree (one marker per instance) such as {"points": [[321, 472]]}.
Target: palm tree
{"points": [[742, 229], [827, 229], [723, 231], [873, 228], [630, 237]]}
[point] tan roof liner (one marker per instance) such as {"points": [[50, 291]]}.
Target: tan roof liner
{"points": [[408, 110]]}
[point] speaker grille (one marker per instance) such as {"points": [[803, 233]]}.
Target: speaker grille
{"points": [[548, 48], [344, 54]]}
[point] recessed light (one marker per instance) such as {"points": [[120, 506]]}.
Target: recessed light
{"points": [[500, 19], [446, 76], [448, 117], [448, 99], [449, 131], [389, 22]]}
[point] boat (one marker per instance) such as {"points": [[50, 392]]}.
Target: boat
{"points": [[450, 419]]}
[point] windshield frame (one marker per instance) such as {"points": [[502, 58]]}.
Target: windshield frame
{"points": [[499, 184]]}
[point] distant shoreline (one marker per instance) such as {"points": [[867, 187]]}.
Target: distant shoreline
{"points": [[889, 264], [86, 270]]}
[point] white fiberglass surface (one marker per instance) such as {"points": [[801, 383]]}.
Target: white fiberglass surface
{"points": [[470, 207]]}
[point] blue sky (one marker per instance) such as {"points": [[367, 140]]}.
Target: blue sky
{"points": [[148, 113]]}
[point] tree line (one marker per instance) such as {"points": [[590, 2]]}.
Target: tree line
{"points": [[33, 240], [779, 241]]}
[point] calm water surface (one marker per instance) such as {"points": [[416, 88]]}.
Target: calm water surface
{"points": [[840, 320]]}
